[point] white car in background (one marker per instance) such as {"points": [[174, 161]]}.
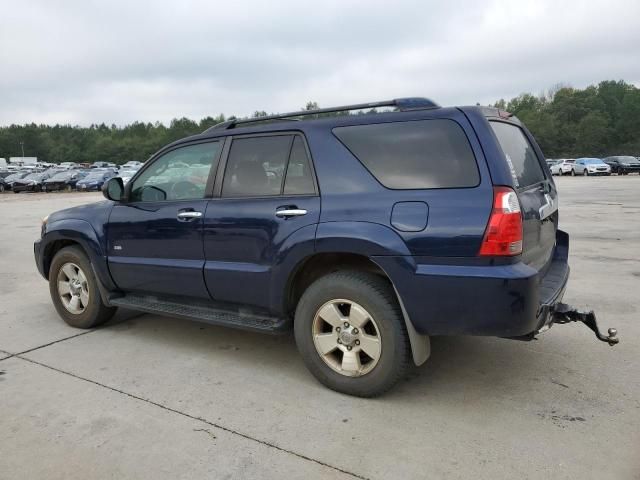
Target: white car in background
{"points": [[563, 166], [126, 174]]}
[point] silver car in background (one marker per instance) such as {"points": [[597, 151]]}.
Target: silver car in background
{"points": [[590, 166]]}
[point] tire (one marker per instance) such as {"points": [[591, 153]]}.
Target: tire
{"points": [[93, 312], [573, 172], [585, 172], [383, 320], [1, 187]]}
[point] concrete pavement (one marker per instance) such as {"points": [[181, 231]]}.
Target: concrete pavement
{"points": [[148, 396]]}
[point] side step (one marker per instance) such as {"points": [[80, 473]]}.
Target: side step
{"points": [[202, 312]]}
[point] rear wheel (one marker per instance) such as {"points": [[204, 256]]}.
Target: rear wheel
{"points": [[351, 333], [74, 290]]}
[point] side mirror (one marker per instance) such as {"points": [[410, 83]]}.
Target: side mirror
{"points": [[113, 189]]}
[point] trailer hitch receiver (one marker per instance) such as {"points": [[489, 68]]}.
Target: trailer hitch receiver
{"points": [[563, 313]]}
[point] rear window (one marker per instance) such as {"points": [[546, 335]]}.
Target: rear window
{"points": [[521, 157], [413, 155]]}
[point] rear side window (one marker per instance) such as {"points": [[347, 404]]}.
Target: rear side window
{"points": [[255, 167], [522, 159], [413, 155], [299, 179]]}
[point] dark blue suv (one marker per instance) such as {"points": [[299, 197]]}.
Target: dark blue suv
{"points": [[364, 233]]}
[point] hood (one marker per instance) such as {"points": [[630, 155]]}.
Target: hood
{"points": [[91, 212]]}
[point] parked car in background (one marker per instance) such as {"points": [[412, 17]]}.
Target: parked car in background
{"points": [[94, 180], [99, 164], [623, 164], [563, 167], [554, 163], [9, 180], [66, 165], [65, 180], [126, 175], [32, 182], [590, 166], [132, 165]]}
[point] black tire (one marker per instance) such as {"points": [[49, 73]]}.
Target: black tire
{"points": [[377, 297], [585, 172], [96, 312], [573, 172]]}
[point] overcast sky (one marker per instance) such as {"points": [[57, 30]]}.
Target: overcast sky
{"points": [[84, 62]]}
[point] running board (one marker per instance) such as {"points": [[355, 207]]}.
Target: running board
{"points": [[202, 312]]}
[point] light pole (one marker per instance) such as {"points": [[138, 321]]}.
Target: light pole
{"points": [[22, 147]]}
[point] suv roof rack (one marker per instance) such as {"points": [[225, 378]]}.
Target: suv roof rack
{"points": [[402, 104]]}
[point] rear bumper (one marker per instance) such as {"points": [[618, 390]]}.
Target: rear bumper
{"points": [[506, 301]]}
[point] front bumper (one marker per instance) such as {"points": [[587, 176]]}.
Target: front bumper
{"points": [[37, 253], [21, 187]]}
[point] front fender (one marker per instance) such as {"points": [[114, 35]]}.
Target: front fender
{"points": [[81, 232]]}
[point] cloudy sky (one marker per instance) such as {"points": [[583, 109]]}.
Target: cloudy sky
{"points": [[84, 62]]}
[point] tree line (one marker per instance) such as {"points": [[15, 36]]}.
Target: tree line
{"points": [[599, 120]]}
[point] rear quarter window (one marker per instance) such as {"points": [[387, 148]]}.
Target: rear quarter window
{"points": [[522, 159], [413, 155]]}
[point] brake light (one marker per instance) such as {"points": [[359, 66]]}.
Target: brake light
{"points": [[503, 236]]}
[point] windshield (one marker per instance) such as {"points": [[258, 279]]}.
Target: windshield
{"points": [[34, 176], [592, 161], [95, 176], [15, 176], [62, 176], [627, 159]]}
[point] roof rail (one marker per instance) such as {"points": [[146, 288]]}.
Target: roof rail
{"points": [[402, 104]]}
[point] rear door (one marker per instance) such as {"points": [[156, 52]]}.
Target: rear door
{"points": [[268, 194], [536, 191]]}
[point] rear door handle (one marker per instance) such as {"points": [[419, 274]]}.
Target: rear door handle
{"points": [[290, 212], [189, 215]]}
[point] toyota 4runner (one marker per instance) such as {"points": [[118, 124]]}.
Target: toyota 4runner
{"points": [[364, 233]]}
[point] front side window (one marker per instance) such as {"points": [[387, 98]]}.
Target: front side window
{"points": [[519, 153], [256, 166], [180, 174]]}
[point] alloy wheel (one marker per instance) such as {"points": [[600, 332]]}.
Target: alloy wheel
{"points": [[346, 337], [73, 288]]}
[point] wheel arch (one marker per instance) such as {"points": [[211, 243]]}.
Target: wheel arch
{"points": [[318, 265], [70, 232]]}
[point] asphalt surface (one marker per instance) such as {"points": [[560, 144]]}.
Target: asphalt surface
{"points": [[153, 397]]}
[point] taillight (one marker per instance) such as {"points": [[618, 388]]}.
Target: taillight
{"points": [[503, 236]]}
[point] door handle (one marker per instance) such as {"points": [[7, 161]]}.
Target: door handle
{"points": [[189, 215], [290, 212]]}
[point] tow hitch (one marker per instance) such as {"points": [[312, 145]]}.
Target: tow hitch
{"points": [[563, 313]]}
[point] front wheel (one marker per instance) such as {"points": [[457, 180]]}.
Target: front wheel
{"points": [[573, 173], [74, 290], [351, 334]]}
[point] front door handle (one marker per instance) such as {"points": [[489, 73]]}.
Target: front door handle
{"points": [[290, 212], [189, 215]]}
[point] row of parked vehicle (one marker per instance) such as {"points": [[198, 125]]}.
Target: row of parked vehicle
{"points": [[620, 165], [67, 176]]}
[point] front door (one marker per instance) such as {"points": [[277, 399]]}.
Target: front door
{"points": [[155, 236], [268, 195]]}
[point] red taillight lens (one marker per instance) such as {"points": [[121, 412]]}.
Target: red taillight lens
{"points": [[503, 236]]}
